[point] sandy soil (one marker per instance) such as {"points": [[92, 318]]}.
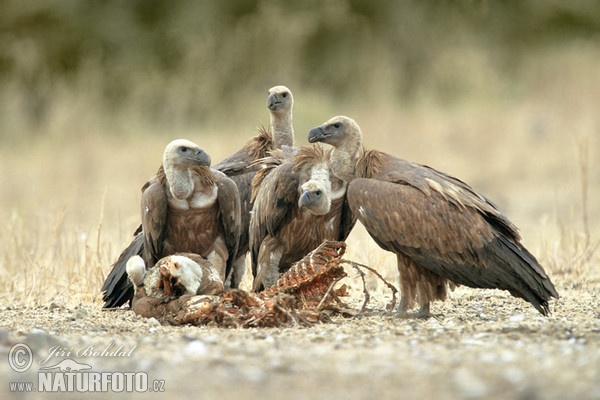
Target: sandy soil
{"points": [[482, 344]]}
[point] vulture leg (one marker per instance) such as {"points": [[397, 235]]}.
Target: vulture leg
{"points": [[238, 273], [423, 313], [267, 272], [419, 287], [218, 258]]}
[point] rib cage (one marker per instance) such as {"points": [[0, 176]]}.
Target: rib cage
{"points": [[311, 277]]}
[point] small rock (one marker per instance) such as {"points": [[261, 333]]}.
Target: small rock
{"points": [[79, 313], [153, 322], [195, 348], [516, 318]]}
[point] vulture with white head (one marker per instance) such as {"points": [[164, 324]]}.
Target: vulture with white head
{"points": [[187, 207], [175, 275], [442, 231], [241, 167], [297, 206]]}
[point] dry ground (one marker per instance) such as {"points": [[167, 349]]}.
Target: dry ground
{"points": [[483, 344]]}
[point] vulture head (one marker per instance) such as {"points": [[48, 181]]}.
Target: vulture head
{"points": [[344, 134], [183, 273], [179, 157], [338, 132], [280, 99], [315, 197], [136, 270], [182, 153]]}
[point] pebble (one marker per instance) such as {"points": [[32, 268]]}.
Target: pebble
{"points": [[516, 318], [152, 322], [79, 313], [195, 348]]}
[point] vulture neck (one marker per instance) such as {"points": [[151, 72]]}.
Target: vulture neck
{"points": [[282, 128], [343, 160], [180, 182]]}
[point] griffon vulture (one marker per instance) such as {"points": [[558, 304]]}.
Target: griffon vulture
{"points": [[240, 165], [297, 205], [186, 207], [175, 275], [441, 230], [117, 289]]}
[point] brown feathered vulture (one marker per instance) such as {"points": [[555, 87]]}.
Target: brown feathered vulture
{"points": [[240, 165], [441, 230], [297, 205], [186, 207], [117, 289]]}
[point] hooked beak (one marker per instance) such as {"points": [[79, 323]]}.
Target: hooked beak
{"points": [[273, 102], [316, 134], [202, 158], [306, 199]]}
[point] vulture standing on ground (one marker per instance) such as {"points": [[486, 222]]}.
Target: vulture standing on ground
{"points": [[297, 205], [186, 207], [240, 165], [117, 289], [441, 230]]}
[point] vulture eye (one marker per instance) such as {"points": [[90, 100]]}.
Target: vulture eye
{"points": [[284, 94], [318, 192], [337, 125], [183, 149]]}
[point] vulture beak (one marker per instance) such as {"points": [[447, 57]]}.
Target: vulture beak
{"points": [[273, 102], [308, 198], [316, 134], [202, 158]]}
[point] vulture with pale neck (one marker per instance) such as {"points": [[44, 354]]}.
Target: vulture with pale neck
{"points": [[117, 289], [241, 167], [187, 207], [442, 231], [297, 206]]}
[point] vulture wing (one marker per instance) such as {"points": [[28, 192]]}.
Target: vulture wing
{"points": [[348, 221], [117, 288], [154, 214], [442, 225], [239, 169], [229, 214], [278, 195]]}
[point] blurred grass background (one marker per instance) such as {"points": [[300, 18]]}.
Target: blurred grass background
{"points": [[504, 95]]}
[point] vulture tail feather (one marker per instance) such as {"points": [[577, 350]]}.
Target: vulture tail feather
{"points": [[530, 279], [117, 288]]}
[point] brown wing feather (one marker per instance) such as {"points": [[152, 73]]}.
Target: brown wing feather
{"points": [[154, 207], [117, 288], [255, 148], [229, 214], [448, 234], [239, 168], [382, 166], [276, 198], [348, 220]]}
